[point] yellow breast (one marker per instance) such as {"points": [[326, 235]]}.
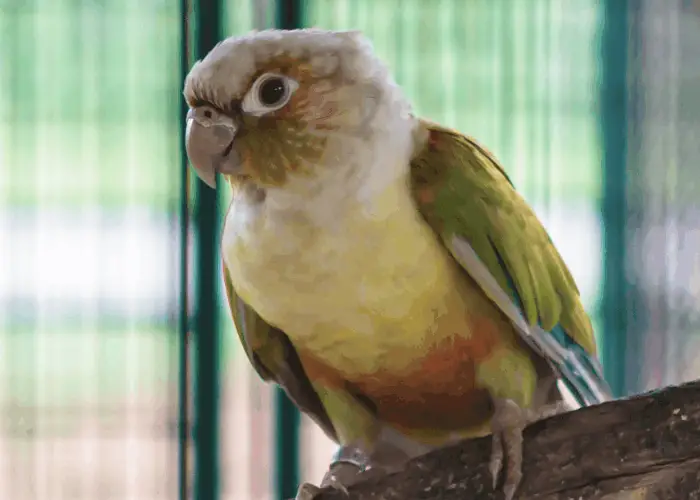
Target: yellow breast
{"points": [[365, 290]]}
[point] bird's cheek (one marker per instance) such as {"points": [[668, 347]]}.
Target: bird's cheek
{"points": [[245, 157], [259, 163]]}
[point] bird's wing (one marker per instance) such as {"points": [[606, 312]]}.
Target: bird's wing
{"points": [[471, 204], [274, 358]]}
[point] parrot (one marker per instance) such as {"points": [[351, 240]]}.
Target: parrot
{"points": [[379, 267]]}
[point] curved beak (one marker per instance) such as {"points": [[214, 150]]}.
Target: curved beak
{"points": [[209, 146]]}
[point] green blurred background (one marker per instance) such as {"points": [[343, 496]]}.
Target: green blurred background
{"points": [[592, 106]]}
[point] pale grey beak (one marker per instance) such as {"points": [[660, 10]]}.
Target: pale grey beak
{"points": [[209, 136]]}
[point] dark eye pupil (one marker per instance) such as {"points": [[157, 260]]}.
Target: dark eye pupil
{"points": [[272, 91]]}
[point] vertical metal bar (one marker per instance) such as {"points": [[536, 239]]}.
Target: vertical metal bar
{"points": [[183, 318], [614, 128], [637, 338], [288, 420], [207, 33], [289, 14]]}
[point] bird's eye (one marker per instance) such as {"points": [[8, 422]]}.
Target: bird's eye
{"points": [[272, 91], [269, 93]]}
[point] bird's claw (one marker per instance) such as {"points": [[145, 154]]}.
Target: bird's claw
{"points": [[507, 424], [307, 491], [339, 476]]}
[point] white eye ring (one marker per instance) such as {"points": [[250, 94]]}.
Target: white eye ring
{"points": [[270, 92]]}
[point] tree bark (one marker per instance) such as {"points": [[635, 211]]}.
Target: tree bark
{"points": [[645, 447]]}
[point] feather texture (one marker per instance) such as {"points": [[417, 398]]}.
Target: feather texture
{"points": [[275, 359], [468, 199], [380, 268]]}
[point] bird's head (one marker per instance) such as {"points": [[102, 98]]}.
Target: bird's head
{"points": [[283, 109]]}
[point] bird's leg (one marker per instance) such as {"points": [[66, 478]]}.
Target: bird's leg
{"points": [[347, 467], [507, 426], [351, 465]]}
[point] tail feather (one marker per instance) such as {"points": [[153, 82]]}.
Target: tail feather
{"points": [[578, 370]]}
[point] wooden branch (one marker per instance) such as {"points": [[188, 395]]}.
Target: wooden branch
{"points": [[645, 447]]}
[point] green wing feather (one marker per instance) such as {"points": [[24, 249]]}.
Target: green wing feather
{"points": [[274, 358], [462, 191]]}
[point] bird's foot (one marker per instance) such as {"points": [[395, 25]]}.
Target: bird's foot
{"points": [[347, 468], [307, 491], [507, 426]]}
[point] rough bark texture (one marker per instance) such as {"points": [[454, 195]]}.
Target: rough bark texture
{"points": [[646, 447]]}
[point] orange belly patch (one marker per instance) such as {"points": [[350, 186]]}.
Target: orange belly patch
{"points": [[438, 391]]}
